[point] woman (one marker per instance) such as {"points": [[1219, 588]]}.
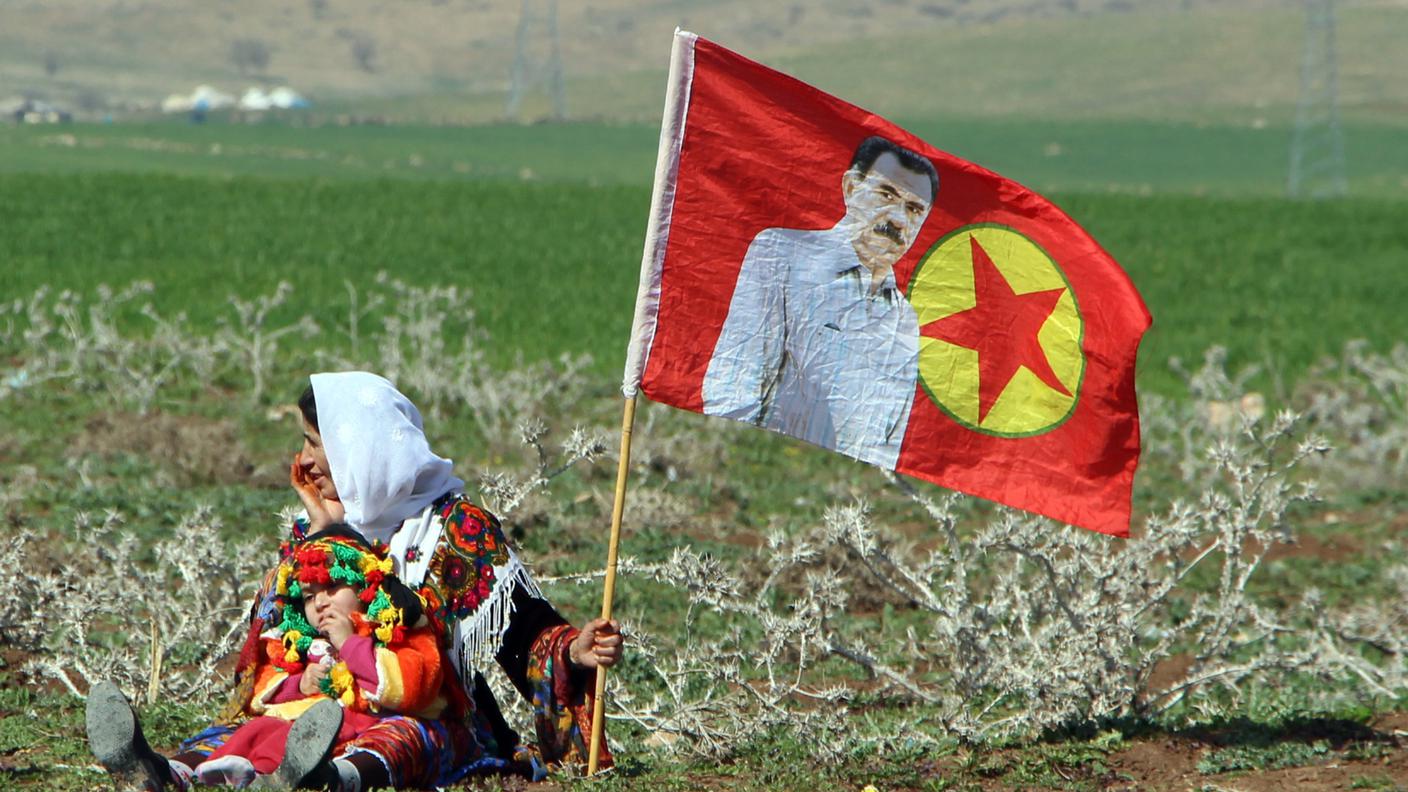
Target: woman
{"points": [[366, 462]]}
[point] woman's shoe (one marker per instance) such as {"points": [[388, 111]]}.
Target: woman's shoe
{"points": [[115, 738], [310, 743]]}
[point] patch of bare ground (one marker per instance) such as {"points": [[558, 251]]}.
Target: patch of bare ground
{"points": [[1323, 548], [1169, 671], [1335, 775], [1162, 763], [1359, 756], [193, 449]]}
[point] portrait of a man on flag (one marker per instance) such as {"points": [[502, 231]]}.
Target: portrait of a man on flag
{"points": [[819, 342]]}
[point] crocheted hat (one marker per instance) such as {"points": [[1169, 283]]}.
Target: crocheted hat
{"points": [[337, 556]]}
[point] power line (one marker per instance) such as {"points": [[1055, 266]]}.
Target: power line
{"points": [[1317, 150], [528, 70]]}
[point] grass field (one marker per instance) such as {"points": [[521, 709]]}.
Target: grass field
{"points": [[551, 262], [542, 225], [1125, 157]]}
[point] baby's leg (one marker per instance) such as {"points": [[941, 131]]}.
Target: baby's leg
{"points": [[259, 741], [228, 770]]}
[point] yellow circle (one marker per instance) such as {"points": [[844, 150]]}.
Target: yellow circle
{"points": [[943, 286]]}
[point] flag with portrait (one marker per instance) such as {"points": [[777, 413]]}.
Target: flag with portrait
{"points": [[816, 270]]}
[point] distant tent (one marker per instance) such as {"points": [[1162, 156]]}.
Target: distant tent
{"points": [[281, 98], [286, 98], [207, 98], [202, 98], [177, 103], [255, 99]]}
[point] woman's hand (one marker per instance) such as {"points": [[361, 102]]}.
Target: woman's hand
{"points": [[309, 684], [321, 511], [598, 644]]}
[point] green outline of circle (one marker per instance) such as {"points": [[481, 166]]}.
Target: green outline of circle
{"points": [[1080, 341]]}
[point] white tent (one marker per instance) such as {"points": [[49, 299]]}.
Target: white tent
{"points": [[286, 98], [207, 98], [176, 103], [202, 98], [255, 99]]}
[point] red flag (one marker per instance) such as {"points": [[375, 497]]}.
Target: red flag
{"points": [[814, 269]]}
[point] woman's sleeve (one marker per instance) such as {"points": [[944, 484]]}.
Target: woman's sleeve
{"points": [[532, 617], [535, 657], [562, 697]]}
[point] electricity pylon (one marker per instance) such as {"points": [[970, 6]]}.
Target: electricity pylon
{"points": [[528, 70], [1317, 151]]}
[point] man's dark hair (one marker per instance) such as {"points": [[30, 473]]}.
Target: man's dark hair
{"points": [[872, 147], [309, 406]]}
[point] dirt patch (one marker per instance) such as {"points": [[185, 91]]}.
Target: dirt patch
{"points": [[1332, 548], [1336, 775], [1393, 723], [1169, 671], [1170, 762], [1167, 763], [193, 449]]}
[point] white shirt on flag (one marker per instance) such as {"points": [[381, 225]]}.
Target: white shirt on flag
{"points": [[807, 351]]}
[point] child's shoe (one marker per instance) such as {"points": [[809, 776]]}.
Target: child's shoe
{"points": [[310, 742]]}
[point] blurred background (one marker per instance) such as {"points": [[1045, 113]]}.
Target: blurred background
{"points": [[1150, 75]]}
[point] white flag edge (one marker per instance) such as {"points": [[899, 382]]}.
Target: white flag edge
{"points": [[662, 204]]}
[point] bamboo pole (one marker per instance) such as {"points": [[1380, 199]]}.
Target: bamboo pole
{"points": [[628, 419], [156, 656]]}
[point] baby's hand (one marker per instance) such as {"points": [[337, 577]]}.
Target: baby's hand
{"points": [[313, 675], [337, 627]]}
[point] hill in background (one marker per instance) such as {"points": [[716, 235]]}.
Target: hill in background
{"points": [[449, 60]]}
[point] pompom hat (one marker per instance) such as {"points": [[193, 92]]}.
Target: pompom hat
{"points": [[339, 556]]}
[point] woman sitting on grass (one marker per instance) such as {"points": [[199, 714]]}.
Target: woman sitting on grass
{"points": [[366, 461]]}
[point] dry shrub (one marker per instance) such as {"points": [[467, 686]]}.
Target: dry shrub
{"points": [[1010, 624], [1362, 399], [160, 626]]}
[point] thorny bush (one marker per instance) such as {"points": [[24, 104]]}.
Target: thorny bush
{"points": [[1010, 624]]}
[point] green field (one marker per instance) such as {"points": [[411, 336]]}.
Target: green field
{"points": [[541, 227], [1121, 156]]}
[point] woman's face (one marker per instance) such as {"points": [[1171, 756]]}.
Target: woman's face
{"points": [[314, 460]]}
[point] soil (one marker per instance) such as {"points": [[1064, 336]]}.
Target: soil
{"points": [[195, 450], [1171, 764]]}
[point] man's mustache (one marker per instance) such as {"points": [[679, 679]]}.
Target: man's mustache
{"points": [[890, 231]]}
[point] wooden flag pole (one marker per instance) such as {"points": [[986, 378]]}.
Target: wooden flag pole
{"points": [[609, 592]]}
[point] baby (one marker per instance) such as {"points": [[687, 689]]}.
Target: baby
{"points": [[352, 646]]}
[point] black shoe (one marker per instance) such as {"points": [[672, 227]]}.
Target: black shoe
{"points": [[310, 742], [115, 738]]}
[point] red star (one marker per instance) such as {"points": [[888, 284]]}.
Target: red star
{"points": [[1003, 328]]}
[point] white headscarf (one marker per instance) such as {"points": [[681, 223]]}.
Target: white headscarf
{"points": [[378, 456]]}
